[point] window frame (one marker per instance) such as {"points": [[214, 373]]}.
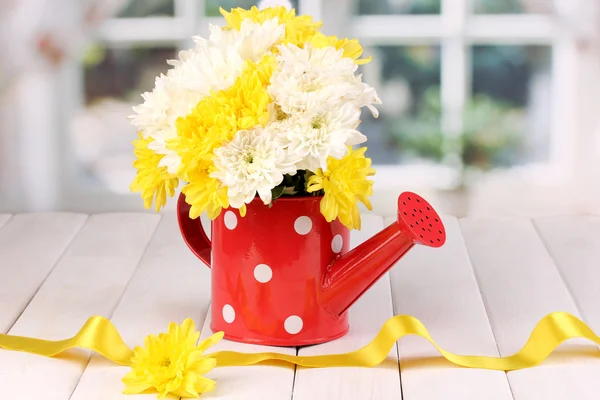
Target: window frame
{"points": [[455, 30]]}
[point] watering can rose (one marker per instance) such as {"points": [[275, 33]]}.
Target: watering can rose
{"points": [[265, 107]]}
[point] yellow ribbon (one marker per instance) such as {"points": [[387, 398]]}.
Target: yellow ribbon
{"points": [[97, 334], [100, 335]]}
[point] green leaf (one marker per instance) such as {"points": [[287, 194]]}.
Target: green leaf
{"points": [[289, 191], [277, 191], [289, 180]]}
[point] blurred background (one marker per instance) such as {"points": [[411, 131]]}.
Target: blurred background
{"points": [[490, 107]]}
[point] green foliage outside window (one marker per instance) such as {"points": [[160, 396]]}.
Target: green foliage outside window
{"points": [[384, 7], [491, 136], [147, 8]]}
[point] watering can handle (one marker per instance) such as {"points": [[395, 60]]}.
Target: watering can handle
{"points": [[193, 232]]}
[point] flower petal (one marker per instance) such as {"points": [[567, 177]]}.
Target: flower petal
{"points": [[205, 385], [202, 365], [210, 341], [134, 385]]}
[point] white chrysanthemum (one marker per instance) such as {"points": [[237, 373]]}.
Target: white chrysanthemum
{"points": [[252, 41], [313, 138], [157, 115], [311, 80], [251, 163], [151, 116], [194, 75], [207, 67]]}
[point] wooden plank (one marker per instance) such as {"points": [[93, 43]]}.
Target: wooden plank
{"points": [[366, 318], [521, 284], [30, 246], [88, 280], [262, 382], [4, 218], [574, 244], [265, 382], [169, 285], [438, 287]]}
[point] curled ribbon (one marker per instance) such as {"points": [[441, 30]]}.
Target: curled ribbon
{"points": [[100, 335]]}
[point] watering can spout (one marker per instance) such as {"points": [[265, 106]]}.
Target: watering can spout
{"points": [[350, 275]]}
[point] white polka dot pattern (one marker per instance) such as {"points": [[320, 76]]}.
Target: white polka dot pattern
{"points": [[228, 313], [293, 324], [263, 273], [303, 225], [230, 220], [337, 243]]}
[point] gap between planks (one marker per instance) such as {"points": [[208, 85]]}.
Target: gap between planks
{"points": [[88, 280], [547, 248], [112, 314], [284, 381], [573, 242], [520, 284], [4, 218], [385, 223], [169, 285], [366, 317], [49, 234], [438, 286]]}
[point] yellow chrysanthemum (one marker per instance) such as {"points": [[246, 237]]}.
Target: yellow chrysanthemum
{"points": [[172, 363], [352, 48], [344, 184], [151, 180], [214, 121], [298, 29], [204, 193]]}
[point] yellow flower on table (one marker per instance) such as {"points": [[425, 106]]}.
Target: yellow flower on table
{"points": [[172, 363], [344, 183], [151, 180]]}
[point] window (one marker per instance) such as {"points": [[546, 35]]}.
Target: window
{"points": [[408, 82], [147, 8], [479, 83], [384, 7], [508, 118], [512, 7], [468, 84], [113, 79]]}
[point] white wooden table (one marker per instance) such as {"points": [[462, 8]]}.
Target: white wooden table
{"points": [[481, 293]]}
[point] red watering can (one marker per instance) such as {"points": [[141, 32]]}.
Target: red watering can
{"points": [[284, 276]]}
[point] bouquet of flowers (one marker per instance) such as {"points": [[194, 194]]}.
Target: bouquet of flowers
{"points": [[267, 106]]}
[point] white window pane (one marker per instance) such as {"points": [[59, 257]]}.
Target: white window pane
{"points": [[512, 6], [408, 128], [507, 122], [147, 8], [385, 7], [212, 6], [101, 134]]}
